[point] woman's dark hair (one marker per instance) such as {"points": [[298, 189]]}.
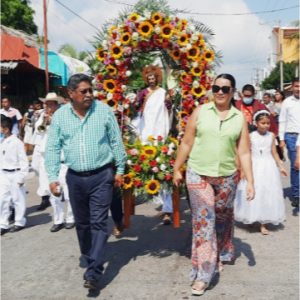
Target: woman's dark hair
{"points": [[6, 122], [232, 82], [281, 93], [248, 87], [75, 79]]}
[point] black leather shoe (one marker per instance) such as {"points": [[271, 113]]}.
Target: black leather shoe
{"points": [[16, 228], [44, 204], [57, 227], [90, 284], [69, 225], [4, 230]]}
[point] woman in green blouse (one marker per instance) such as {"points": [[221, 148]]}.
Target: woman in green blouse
{"points": [[215, 134]]}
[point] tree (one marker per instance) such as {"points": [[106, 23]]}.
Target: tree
{"points": [[273, 80], [18, 15]]}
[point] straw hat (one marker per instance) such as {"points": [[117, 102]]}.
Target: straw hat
{"points": [[52, 97]]}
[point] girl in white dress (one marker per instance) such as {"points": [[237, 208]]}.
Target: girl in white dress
{"points": [[268, 204]]}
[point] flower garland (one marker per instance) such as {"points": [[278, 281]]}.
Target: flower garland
{"points": [[150, 166], [150, 31]]}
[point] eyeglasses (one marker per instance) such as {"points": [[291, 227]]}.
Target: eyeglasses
{"points": [[224, 89], [85, 91]]}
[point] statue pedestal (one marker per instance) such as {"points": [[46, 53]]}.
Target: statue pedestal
{"points": [[129, 207]]}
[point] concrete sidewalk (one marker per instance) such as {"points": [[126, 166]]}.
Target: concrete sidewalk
{"points": [[150, 261]]}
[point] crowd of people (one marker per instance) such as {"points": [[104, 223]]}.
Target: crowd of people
{"points": [[234, 150]]}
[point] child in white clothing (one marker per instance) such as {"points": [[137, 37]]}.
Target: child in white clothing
{"points": [[13, 169], [268, 204]]}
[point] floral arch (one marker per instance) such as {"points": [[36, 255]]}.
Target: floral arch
{"points": [[152, 27]]}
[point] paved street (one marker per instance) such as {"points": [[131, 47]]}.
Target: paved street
{"points": [[150, 261]]}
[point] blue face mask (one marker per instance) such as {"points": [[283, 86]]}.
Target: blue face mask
{"points": [[1, 137], [247, 100]]}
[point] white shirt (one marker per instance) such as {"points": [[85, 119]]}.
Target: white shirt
{"points": [[14, 114], [289, 118], [13, 156]]}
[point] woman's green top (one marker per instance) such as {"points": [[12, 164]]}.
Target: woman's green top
{"points": [[214, 150]]}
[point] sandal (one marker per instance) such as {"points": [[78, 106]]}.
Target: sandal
{"points": [[196, 291], [264, 230]]}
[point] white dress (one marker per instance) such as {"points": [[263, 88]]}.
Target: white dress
{"points": [[268, 204]]}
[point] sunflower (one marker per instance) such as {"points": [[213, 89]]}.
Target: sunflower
{"points": [[109, 85], [128, 182], [193, 53], [209, 55], [198, 91], [167, 31], [145, 28], [111, 29], [112, 103], [175, 54], [149, 151], [152, 186], [156, 18], [125, 38], [183, 39], [134, 17], [116, 51], [111, 70], [196, 71], [100, 54]]}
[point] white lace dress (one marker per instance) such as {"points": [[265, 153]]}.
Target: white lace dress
{"points": [[268, 204]]}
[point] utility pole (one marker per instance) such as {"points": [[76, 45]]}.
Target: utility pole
{"points": [[46, 47]]}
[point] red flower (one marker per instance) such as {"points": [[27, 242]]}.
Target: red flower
{"points": [[137, 168], [142, 157], [168, 177], [172, 162], [153, 163], [137, 183], [164, 149], [159, 138]]}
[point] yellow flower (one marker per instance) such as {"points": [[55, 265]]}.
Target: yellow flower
{"points": [[198, 91], [125, 38], [152, 186], [109, 85], [193, 53], [156, 18], [145, 28], [151, 138], [111, 70], [174, 140], [112, 103], [209, 55], [183, 39], [128, 182], [134, 17], [149, 151], [116, 51], [111, 29], [100, 53], [196, 71], [167, 31], [175, 54]]}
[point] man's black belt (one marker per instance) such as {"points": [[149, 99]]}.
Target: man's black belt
{"points": [[91, 172], [11, 170]]}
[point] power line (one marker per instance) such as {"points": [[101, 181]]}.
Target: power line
{"points": [[73, 12], [216, 14]]}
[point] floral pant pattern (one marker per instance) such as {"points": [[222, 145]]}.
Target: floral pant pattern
{"points": [[212, 220]]}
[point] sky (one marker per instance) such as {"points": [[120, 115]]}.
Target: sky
{"points": [[243, 40]]}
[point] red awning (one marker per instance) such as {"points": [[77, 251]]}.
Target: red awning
{"points": [[13, 49]]}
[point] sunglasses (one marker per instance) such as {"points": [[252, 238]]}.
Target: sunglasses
{"points": [[224, 89], [83, 92]]}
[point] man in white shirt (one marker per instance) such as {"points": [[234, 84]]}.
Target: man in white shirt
{"points": [[12, 113], [14, 168], [289, 129]]}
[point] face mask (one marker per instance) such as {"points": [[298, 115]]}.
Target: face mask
{"points": [[30, 110], [1, 137], [247, 100]]}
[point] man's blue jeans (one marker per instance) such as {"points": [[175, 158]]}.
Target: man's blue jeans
{"points": [[290, 141]]}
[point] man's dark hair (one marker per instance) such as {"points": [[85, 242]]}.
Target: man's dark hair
{"points": [[267, 94], [76, 79], [37, 102], [295, 80], [5, 97], [6, 123], [248, 87]]}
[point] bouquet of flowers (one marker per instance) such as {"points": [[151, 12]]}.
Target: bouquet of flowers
{"points": [[149, 165]]}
